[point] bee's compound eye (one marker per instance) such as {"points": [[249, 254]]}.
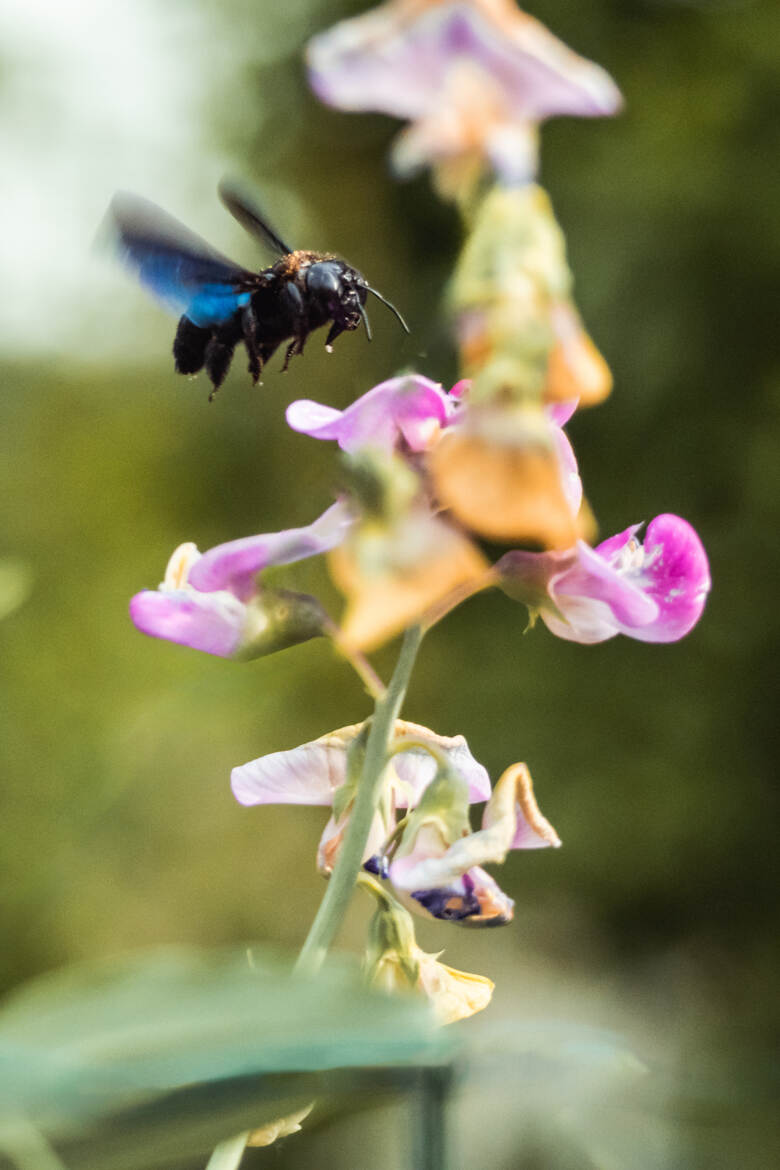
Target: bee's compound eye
{"points": [[324, 279]]}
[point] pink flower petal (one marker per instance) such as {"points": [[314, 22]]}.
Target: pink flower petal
{"points": [[596, 601], [570, 476], [676, 575], [233, 566], [311, 773], [610, 548], [398, 64], [411, 407], [559, 413], [417, 768], [308, 774], [210, 622]]}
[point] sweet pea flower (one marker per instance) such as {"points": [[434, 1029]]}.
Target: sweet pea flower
{"points": [[316, 773], [409, 409], [212, 601], [475, 77], [654, 592], [437, 870], [505, 474], [401, 560]]}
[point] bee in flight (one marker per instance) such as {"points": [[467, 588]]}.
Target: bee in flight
{"points": [[223, 304]]}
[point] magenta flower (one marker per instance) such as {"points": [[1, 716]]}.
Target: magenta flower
{"points": [[472, 76], [410, 409], [654, 592], [212, 601], [315, 773]]}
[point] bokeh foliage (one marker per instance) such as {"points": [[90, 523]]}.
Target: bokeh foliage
{"points": [[654, 762]]}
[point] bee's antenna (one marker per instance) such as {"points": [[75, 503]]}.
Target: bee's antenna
{"points": [[390, 306], [364, 315]]}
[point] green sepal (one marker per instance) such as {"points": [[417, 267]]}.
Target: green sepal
{"points": [[278, 618], [382, 483], [392, 930], [445, 803]]}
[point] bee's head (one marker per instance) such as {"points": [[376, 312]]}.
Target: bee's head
{"points": [[338, 291]]}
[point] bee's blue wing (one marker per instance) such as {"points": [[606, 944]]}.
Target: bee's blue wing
{"points": [[176, 266]]}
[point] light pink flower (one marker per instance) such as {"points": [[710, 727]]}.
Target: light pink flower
{"points": [[315, 772], [410, 409], [212, 602], [470, 75]]}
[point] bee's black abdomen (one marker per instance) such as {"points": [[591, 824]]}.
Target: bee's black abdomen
{"points": [[217, 360], [189, 347]]}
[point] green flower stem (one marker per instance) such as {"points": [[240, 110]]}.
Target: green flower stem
{"points": [[342, 882], [378, 891], [359, 663], [228, 1154]]}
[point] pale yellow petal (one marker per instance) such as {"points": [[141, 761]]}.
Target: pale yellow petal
{"points": [[455, 995], [266, 1135]]}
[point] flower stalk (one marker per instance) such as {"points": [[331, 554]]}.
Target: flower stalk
{"points": [[342, 882]]}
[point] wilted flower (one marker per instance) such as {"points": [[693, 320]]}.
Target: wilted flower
{"points": [[575, 367], [400, 558], [317, 773], [654, 592], [438, 865], [395, 963], [474, 78], [391, 573], [509, 473], [212, 601]]}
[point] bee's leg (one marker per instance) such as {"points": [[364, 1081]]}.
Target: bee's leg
{"points": [[295, 347], [291, 351], [249, 329], [219, 355], [189, 347]]}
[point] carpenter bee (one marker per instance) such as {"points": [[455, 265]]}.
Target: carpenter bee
{"points": [[223, 304]]}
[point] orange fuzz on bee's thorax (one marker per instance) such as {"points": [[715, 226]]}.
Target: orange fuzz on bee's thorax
{"points": [[291, 264]]}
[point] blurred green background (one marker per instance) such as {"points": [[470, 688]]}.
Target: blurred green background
{"points": [[654, 762]]}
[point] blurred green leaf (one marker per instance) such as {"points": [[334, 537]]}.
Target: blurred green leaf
{"points": [[137, 1062]]}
